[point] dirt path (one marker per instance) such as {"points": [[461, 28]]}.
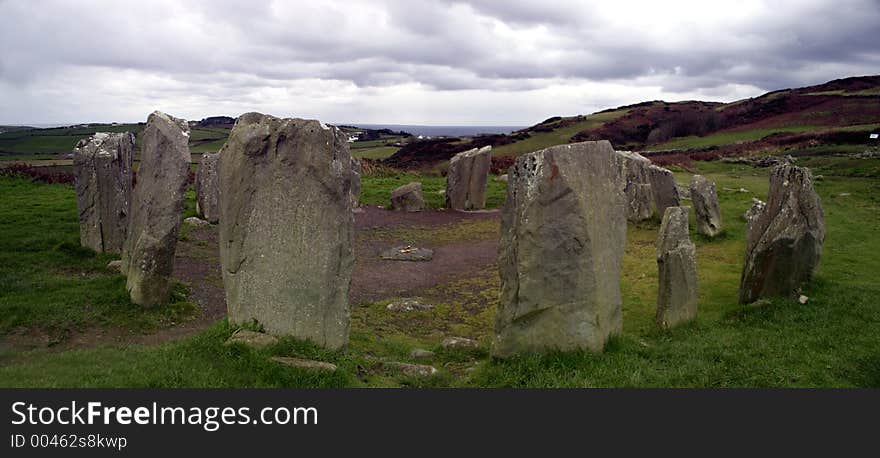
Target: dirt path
{"points": [[198, 266]]}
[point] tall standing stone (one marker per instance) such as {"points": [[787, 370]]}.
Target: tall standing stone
{"points": [[467, 179], [208, 188], [706, 210], [286, 227], [783, 241], [677, 270], [356, 171], [664, 188], [563, 232], [102, 168], [156, 208], [639, 194]]}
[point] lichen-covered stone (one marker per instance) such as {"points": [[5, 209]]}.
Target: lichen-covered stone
{"points": [[639, 194], [467, 178], [156, 208], [208, 188], [102, 169], [563, 232], [706, 209], [286, 227], [783, 241], [677, 270], [408, 198], [356, 171], [664, 188]]}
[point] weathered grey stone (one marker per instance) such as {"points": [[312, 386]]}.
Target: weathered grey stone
{"points": [[420, 353], [408, 198], [102, 169], [412, 370], [639, 194], [677, 270], [563, 231], [156, 207], [115, 265], [706, 210], [407, 305], [783, 242], [407, 253], [286, 227], [502, 178], [208, 188], [459, 342], [467, 178], [664, 188], [356, 170], [196, 222], [308, 364], [251, 339]]}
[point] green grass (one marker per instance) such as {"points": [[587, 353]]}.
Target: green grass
{"points": [[541, 140], [377, 190], [380, 152], [832, 341], [740, 136], [48, 282], [863, 92]]}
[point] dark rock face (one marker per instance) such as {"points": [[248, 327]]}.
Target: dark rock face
{"points": [[408, 198], [156, 208], [286, 227], [563, 232], [467, 178], [677, 270], [783, 241], [208, 188], [102, 169], [706, 210], [639, 194], [664, 188]]}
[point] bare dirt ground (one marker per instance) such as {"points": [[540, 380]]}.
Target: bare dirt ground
{"points": [[197, 265]]}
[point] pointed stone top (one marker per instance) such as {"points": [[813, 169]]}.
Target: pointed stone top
{"points": [[471, 152], [159, 118], [673, 230]]}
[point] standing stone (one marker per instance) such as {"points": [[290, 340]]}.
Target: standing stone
{"points": [[408, 198], [563, 232], [467, 179], [639, 194], [664, 188], [706, 210], [102, 168], [677, 270], [783, 242], [356, 170], [208, 188], [156, 207], [286, 227]]}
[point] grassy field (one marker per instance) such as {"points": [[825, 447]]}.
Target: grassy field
{"points": [[735, 136], [831, 341], [379, 152], [377, 190]]}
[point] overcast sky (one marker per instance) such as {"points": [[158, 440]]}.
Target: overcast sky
{"points": [[414, 61]]}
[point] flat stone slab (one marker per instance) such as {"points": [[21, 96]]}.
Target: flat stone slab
{"points": [[309, 364], [408, 305], [413, 370], [252, 339], [407, 253], [459, 342], [421, 353]]}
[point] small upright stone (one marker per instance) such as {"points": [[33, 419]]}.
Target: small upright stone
{"points": [[102, 168], [677, 270], [664, 188], [156, 208], [286, 227], [356, 171], [467, 178], [208, 188], [408, 198], [639, 194], [706, 210], [783, 241], [563, 232]]}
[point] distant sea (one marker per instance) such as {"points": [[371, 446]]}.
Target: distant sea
{"points": [[442, 131]]}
